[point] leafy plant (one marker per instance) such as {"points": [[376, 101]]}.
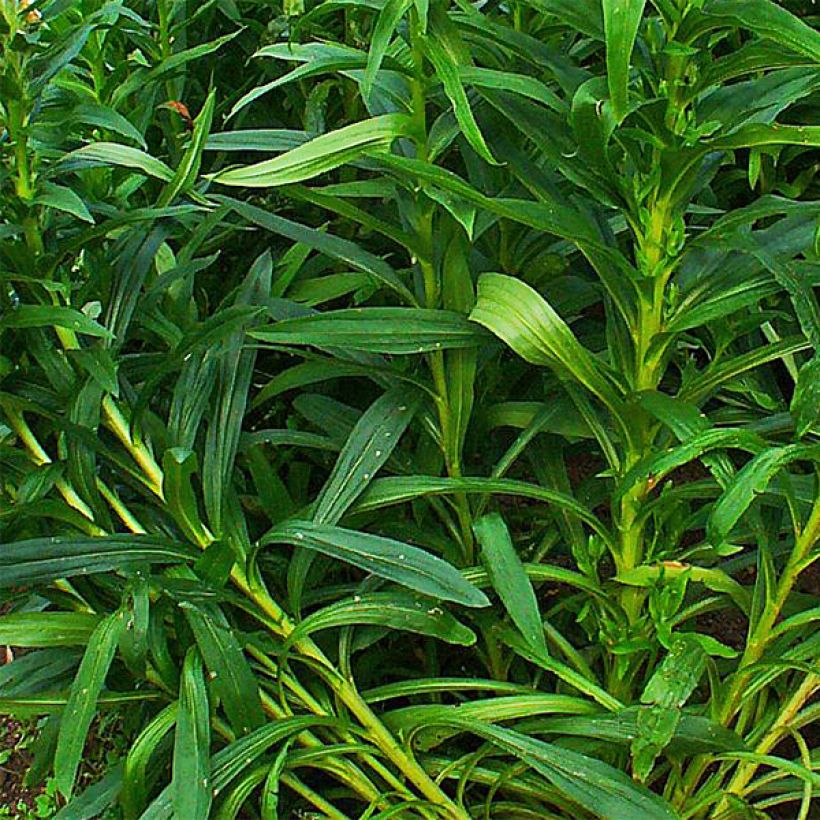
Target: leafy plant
{"points": [[411, 408]]}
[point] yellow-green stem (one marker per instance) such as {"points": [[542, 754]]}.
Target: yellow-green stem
{"points": [[756, 645]]}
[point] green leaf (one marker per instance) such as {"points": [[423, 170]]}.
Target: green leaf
{"points": [[805, 404], [394, 610], [98, 362], [582, 16], [509, 579], [333, 246], [112, 155], [665, 693], [321, 154], [400, 489], [49, 316], [601, 789], [188, 168], [430, 724], [178, 466], [146, 744], [96, 799], [39, 629], [401, 331], [694, 734], [236, 363], [386, 24], [405, 565], [522, 318], [446, 66], [231, 674], [763, 17], [63, 199], [621, 21], [82, 700], [190, 785], [41, 560], [750, 482], [373, 439]]}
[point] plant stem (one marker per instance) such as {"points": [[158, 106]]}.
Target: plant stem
{"points": [[779, 728], [756, 645]]}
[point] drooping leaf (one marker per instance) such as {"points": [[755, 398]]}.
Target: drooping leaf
{"points": [[41, 560], [395, 610], [408, 566], [321, 154]]}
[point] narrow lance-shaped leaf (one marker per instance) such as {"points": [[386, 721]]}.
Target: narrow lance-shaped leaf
{"points": [[395, 610], [41, 560], [333, 246], [621, 21], [51, 315], [509, 579], [233, 679], [521, 317], [406, 565], [112, 154], [805, 404], [82, 700], [191, 786], [188, 168], [366, 450], [446, 67], [39, 629], [236, 366], [386, 23], [319, 155], [376, 330], [603, 790], [750, 482], [178, 466]]}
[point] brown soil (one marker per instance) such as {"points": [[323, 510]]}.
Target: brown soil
{"points": [[12, 773]]}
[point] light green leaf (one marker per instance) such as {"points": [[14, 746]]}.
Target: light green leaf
{"points": [[48, 316], [386, 23], [750, 482], [604, 791], [321, 154], [523, 319], [188, 168], [38, 629], [112, 155], [63, 199], [446, 65]]}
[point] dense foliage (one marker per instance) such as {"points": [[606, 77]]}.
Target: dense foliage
{"points": [[412, 408]]}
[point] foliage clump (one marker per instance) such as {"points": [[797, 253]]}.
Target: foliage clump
{"points": [[410, 408]]}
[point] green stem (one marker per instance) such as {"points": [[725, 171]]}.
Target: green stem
{"points": [[759, 639]]}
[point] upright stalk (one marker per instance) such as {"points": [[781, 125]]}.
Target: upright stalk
{"points": [[432, 291], [806, 540]]}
